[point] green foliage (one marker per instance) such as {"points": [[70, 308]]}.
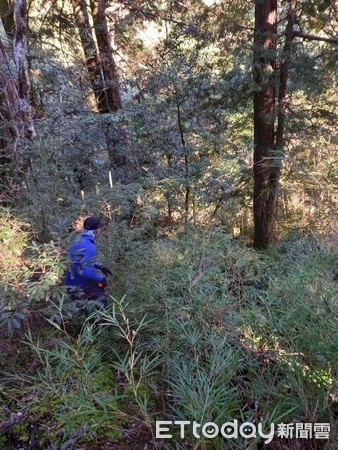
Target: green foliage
{"points": [[72, 389], [11, 319], [234, 325], [27, 265], [49, 262], [137, 365], [200, 377], [30, 272], [224, 325], [13, 238], [212, 330]]}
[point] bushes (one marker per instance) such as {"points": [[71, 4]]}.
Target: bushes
{"points": [[13, 238], [69, 390], [30, 272], [230, 334], [243, 334]]}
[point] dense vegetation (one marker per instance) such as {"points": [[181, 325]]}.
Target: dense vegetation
{"points": [[201, 324]]}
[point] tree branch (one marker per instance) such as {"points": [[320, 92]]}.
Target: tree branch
{"points": [[311, 37], [12, 420], [333, 8]]}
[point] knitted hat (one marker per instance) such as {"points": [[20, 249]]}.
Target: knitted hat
{"points": [[92, 223]]}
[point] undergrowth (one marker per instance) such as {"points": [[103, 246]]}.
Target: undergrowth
{"points": [[206, 330]]}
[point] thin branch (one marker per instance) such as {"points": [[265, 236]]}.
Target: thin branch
{"points": [[311, 37], [333, 8]]}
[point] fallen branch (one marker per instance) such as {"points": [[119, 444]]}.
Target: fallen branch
{"points": [[78, 434], [13, 419]]}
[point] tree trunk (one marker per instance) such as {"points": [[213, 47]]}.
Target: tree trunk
{"points": [[112, 90], [93, 63], [266, 174], [14, 110], [9, 97], [15, 124], [90, 52], [20, 59]]}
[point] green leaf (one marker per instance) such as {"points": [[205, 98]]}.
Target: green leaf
{"points": [[57, 326]]}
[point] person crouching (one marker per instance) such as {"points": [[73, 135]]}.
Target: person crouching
{"points": [[83, 281]]}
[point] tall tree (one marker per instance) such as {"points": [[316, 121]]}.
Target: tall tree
{"points": [[15, 110], [112, 90], [101, 68], [266, 174], [90, 52], [271, 77], [20, 59]]}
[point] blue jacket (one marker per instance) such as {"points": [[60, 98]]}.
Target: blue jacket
{"points": [[82, 263]]}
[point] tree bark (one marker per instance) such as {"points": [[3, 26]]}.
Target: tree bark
{"points": [[14, 90], [112, 90], [268, 144], [9, 97], [14, 110], [11, 119], [20, 59], [265, 174], [94, 66]]}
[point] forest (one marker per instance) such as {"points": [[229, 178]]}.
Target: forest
{"points": [[203, 135]]}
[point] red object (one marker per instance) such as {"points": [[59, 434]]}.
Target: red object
{"points": [[100, 285]]}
